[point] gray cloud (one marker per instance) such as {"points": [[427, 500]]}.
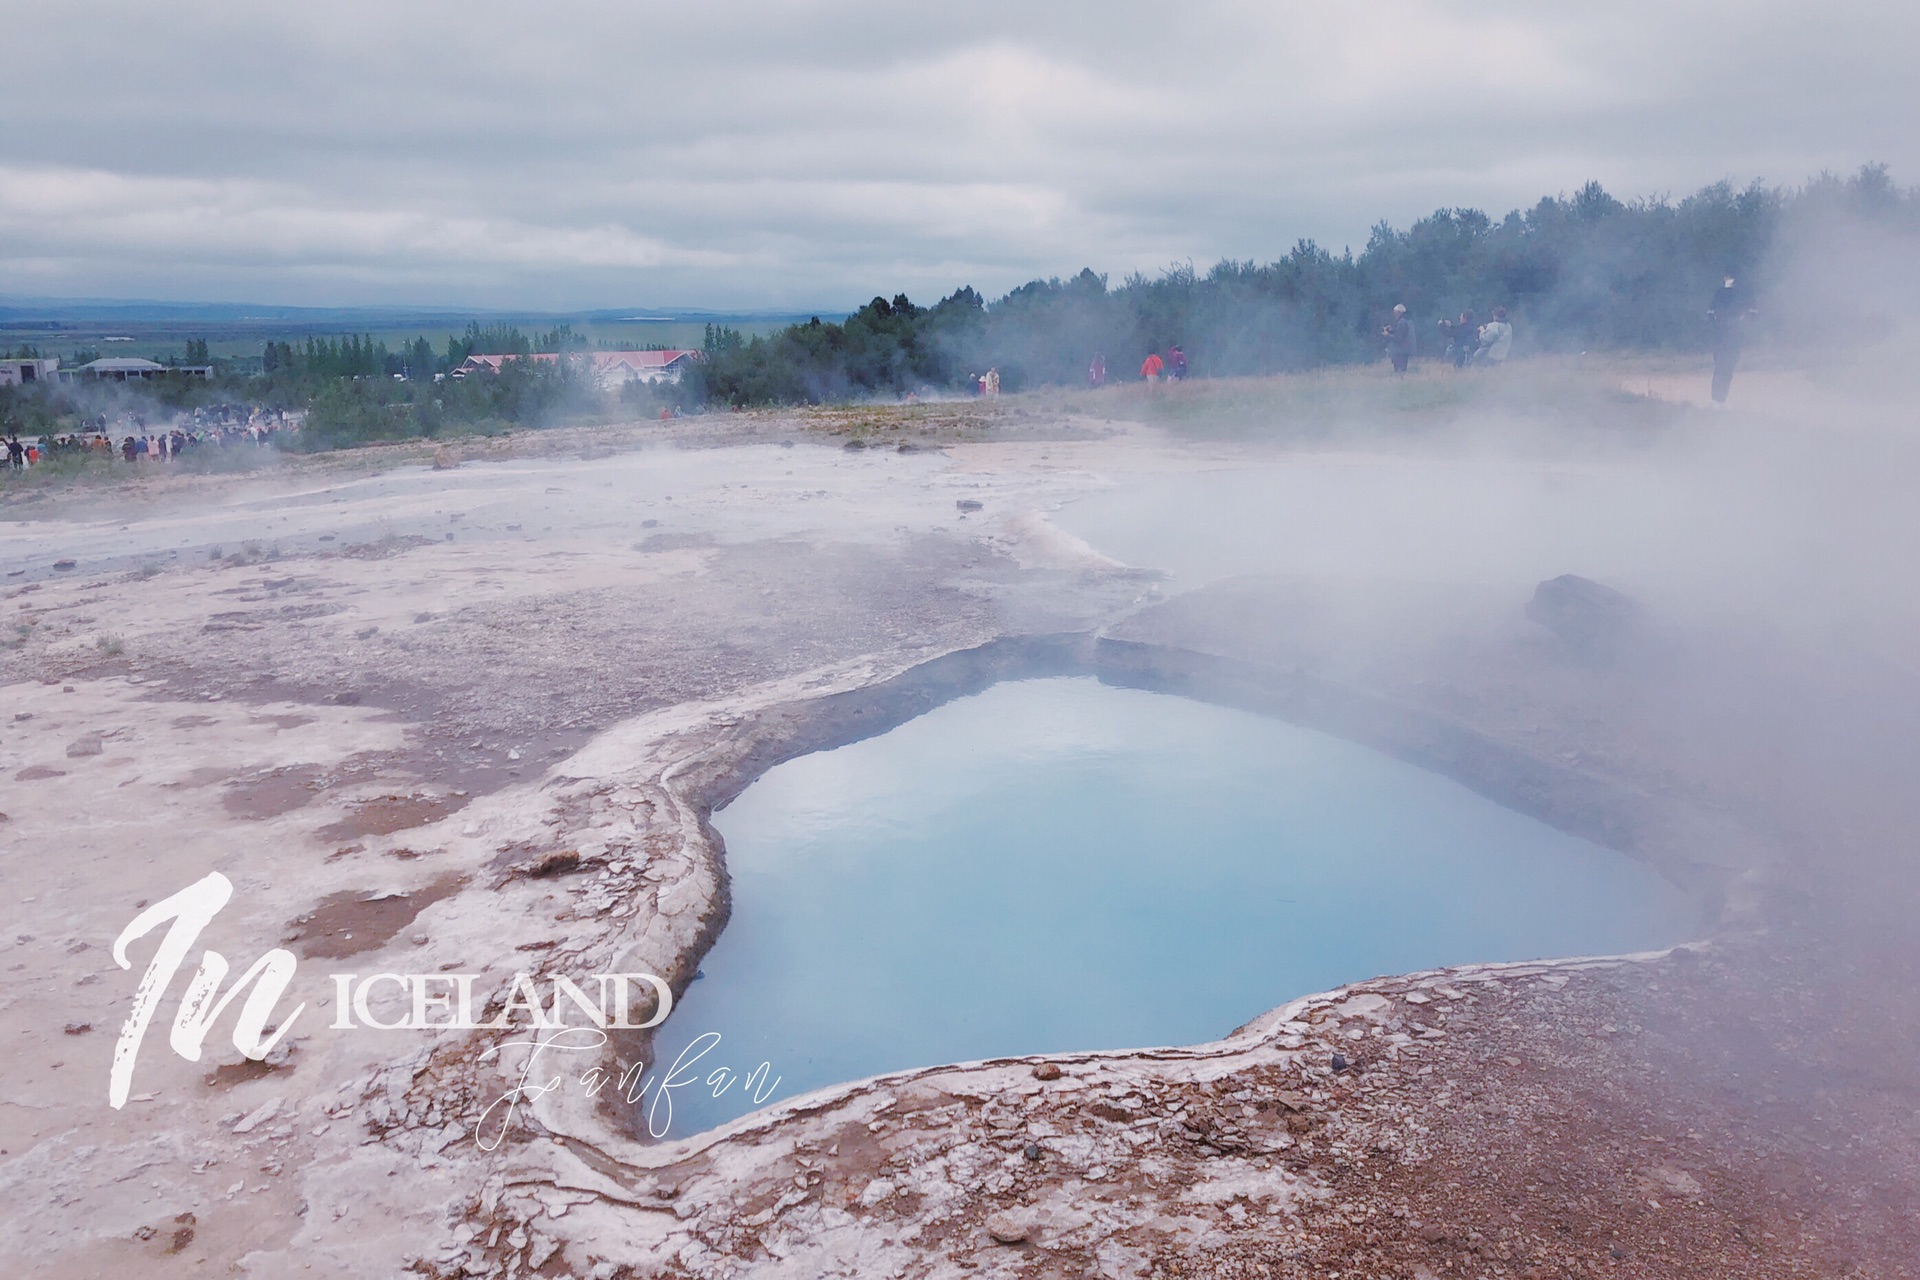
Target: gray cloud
{"points": [[801, 152]]}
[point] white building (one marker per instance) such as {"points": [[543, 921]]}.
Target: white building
{"points": [[642, 366], [125, 368], [16, 372]]}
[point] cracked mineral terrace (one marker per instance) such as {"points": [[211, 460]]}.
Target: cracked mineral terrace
{"points": [[474, 720]]}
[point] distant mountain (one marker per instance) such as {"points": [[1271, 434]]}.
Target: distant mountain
{"points": [[23, 312]]}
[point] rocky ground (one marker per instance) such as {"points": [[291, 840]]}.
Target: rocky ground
{"points": [[469, 719], [1517, 1121]]}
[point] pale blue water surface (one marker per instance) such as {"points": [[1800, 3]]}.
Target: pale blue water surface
{"points": [[1056, 864]]}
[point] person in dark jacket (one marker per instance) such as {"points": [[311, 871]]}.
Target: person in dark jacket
{"points": [[1463, 337], [1727, 318], [1399, 336]]}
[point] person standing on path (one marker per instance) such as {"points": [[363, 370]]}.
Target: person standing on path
{"points": [[1728, 319], [1151, 367], [1463, 337], [1399, 336], [1496, 340]]}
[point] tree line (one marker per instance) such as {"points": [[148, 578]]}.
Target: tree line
{"points": [[1583, 272], [361, 356]]}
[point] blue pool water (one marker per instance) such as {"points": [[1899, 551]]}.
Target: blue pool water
{"points": [[1056, 864]]}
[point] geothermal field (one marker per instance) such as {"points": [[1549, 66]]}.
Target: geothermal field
{"points": [[1279, 827]]}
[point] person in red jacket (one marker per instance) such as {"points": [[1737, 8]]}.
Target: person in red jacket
{"points": [[1150, 367]]}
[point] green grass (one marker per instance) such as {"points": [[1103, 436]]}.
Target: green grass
{"points": [[881, 423], [1324, 405], [1333, 403]]}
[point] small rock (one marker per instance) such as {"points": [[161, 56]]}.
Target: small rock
{"points": [[1590, 617], [1367, 1004], [1340, 1063], [1010, 1226], [1033, 1151], [90, 745], [78, 1028], [267, 1112], [556, 863], [967, 504], [1047, 1071], [1678, 1181]]}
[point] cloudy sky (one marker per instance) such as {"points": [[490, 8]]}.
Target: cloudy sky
{"points": [[811, 153]]}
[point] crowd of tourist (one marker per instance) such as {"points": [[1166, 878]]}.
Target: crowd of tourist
{"points": [[220, 428]]}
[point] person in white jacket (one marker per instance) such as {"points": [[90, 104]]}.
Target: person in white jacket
{"points": [[1496, 339]]}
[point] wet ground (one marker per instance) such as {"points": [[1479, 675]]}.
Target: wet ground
{"points": [[469, 721]]}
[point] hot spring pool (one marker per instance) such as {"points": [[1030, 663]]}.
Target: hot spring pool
{"points": [[1058, 864]]}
